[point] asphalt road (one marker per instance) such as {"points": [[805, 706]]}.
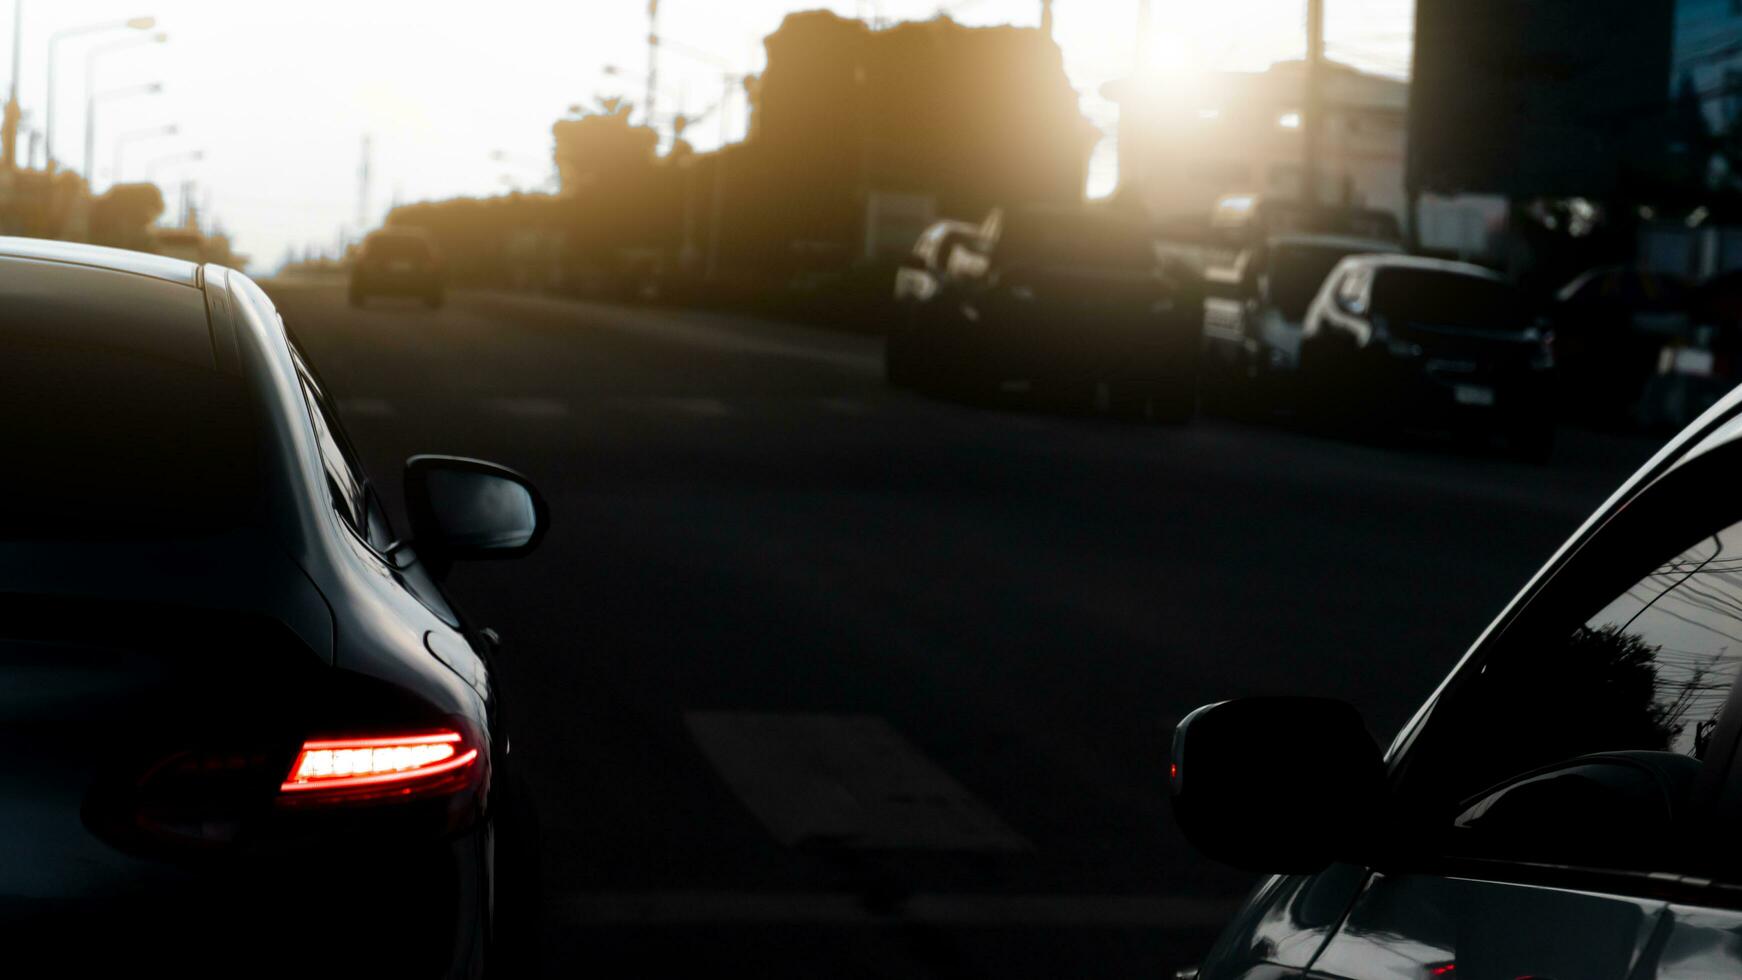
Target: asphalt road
{"points": [[816, 678]]}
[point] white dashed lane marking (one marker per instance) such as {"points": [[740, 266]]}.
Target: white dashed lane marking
{"points": [[845, 781]]}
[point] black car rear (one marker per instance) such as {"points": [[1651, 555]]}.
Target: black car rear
{"points": [[1418, 343], [1072, 306], [233, 722], [398, 262]]}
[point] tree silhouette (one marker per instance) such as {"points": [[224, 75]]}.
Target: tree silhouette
{"points": [[122, 216]]}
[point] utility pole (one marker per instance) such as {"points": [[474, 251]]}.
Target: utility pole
{"points": [[1313, 118], [652, 62], [1141, 59], [363, 190], [14, 112]]}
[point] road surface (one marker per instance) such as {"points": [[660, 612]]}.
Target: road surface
{"points": [[815, 678]]}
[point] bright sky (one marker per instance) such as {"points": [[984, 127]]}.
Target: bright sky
{"points": [[279, 95]]}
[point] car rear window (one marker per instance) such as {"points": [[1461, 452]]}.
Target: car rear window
{"points": [[1452, 299], [390, 247], [107, 442]]}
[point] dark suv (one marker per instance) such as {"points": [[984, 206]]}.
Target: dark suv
{"points": [[398, 262], [1401, 341], [1564, 805], [1072, 305]]}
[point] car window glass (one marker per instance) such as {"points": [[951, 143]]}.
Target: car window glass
{"points": [[1585, 748], [1451, 299], [352, 496], [346, 487]]}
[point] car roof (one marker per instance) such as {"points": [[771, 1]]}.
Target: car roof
{"points": [[120, 301], [102, 257], [1378, 245], [1425, 264]]}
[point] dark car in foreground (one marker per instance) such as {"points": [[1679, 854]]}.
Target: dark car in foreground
{"points": [[1397, 341], [398, 262], [1069, 305], [1563, 805], [240, 716]]}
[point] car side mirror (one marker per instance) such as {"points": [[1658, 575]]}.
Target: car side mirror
{"points": [[1278, 785], [466, 509]]}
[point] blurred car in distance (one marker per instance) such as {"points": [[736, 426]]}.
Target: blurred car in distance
{"points": [[1611, 325], [1395, 341], [1560, 805], [239, 702], [1070, 306], [1254, 307], [398, 262]]}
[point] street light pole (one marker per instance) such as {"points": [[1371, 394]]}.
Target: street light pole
{"points": [[652, 59], [14, 112], [730, 77], [54, 40], [170, 159], [1313, 121], [91, 102], [91, 95], [116, 175]]}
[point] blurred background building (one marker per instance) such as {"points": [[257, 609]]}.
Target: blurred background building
{"points": [[1184, 145]]}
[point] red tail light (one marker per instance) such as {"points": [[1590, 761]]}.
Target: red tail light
{"points": [[374, 767]]}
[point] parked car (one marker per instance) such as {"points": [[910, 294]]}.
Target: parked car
{"points": [[1561, 806], [398, 262], [1254, 307], [917, 280], [1697, 366], [1611, 325], [241, 713], [1396, 341], [1070, 305]]}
